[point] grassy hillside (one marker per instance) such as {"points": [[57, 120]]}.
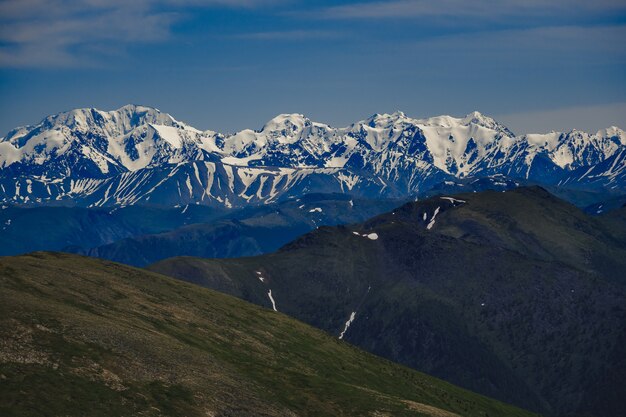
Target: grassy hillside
{"points": [[81, 336], [517, 295]]}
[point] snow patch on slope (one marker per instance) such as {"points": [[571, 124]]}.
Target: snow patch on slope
{"points": [[453, 200], [269, 294], [347, 325], [432, 220]]}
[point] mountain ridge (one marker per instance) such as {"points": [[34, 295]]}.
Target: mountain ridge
{"points": [[139, 155]]}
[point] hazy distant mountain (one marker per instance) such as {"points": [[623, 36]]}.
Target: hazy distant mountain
{"points": [[27, 229], [139, 155], [517, 295], [247, 232]]}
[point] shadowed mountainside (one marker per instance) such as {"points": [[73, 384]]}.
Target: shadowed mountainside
{"points": [[516, 295]]}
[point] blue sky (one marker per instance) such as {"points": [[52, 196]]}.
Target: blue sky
{"points": [[231, 64]]}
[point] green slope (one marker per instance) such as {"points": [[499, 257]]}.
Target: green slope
{"points": [[517, 295], [81, 336]]}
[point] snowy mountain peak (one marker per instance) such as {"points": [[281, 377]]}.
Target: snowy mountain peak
{"points": [[98, 143], [129, 154], [119, 121], [287, 123], [613, 132], [480, 119], [386, 119], [475, 114], [475, 119]]}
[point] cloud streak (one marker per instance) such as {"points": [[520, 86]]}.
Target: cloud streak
{"points": [[477, 9], [61, 33], [290, 35], [588, 118]]}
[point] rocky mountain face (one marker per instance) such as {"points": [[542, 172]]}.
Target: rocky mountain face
{"points": [[139, 155], [516, 295]]}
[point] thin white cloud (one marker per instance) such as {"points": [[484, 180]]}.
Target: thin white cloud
{"points": [[580, 41], [290, 35], [589, 118], [75, 32], [478, 9]]}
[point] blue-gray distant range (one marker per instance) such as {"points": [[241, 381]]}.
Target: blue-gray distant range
{"points": [[138, 155]]}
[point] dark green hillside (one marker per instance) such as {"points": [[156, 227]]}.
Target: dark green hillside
{"points": [[516, 295], [615, 221], [81, 336], [536, 224]]}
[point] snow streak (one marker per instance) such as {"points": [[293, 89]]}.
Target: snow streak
{"points": [[348, 323]]}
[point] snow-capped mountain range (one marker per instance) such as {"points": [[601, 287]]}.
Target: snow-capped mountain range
{"points": [[139, 155]]}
